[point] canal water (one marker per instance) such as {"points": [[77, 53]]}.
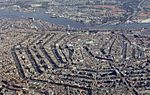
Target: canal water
{"points": [[7, 13]]}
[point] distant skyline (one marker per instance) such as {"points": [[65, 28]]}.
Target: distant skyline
{"points": [[13, 0], [20, 0]]}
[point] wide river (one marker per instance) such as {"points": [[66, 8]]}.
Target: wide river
{"points": [[6, 13]]}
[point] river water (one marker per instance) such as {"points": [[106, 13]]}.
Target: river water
{"points": [[7, 13]]}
